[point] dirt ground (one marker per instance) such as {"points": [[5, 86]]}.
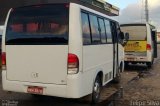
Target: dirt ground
{"points": [[143, 90]]}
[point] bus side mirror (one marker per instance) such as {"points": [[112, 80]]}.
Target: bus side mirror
{"points": [[123, 38], [126, 38], [121, 35]]}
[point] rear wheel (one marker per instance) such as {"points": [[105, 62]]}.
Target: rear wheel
{"points": [[37, 96], [126, 64], [149, 64], [96, 90], [134, 63]]}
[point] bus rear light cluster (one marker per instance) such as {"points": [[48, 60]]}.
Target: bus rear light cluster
{"points": [[3, 61], [148, 47], [73, 64]]}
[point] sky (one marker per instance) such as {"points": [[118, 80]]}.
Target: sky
{"points": [[121, 3], [134, 11]]}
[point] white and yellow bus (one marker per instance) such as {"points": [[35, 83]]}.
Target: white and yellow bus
{"points": [[63, 49], [142, 46]]}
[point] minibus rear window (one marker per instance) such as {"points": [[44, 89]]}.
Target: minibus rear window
{"points": [[38, 25], [135, 32]]}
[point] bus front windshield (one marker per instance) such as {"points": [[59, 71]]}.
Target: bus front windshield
{"points": [[135, 32]]}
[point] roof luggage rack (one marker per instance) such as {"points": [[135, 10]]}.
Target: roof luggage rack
{"points": [[98, 5], [111, 9]]}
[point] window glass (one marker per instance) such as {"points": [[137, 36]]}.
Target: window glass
{"points": [[135, 32], [94, 29], [102, 30], [38, 25], [85, 29], [108, 31]]}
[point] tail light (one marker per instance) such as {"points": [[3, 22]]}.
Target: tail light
{"points": [[73, 64], [148, 47], [3, 60]]}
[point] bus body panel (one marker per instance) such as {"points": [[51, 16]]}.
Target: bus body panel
{"points": [[74, 89], [28, 63], [121, 57], [149, 41], [98, 60], [75, 33], [52, 62]]}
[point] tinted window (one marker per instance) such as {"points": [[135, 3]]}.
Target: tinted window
{"points": [[135, 32], [102, 30], [38, 25], [108, 31], [85, 29], [94, 29]]}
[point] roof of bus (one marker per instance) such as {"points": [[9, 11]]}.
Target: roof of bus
{"points": [[133, 24], [138, 24], [98, 5]]}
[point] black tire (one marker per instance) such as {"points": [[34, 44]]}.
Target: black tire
{"points": [[149, 64], [37, 96], [126, 64], [134, 63], [96, 90]]}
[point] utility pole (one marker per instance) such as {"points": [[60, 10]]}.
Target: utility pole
{"points": [[146, 11]]}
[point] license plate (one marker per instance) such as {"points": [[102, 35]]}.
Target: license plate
{"points": [[35, 90]]}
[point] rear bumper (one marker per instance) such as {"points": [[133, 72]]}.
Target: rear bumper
{"points": [[72, 90], [137, 59]]}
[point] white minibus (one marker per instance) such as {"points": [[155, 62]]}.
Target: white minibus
{"points": [[64, 50], [142, 46]]}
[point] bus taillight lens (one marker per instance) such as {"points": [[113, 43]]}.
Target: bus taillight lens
{"points": [[73, 64], [148, 47], [3, 60]]}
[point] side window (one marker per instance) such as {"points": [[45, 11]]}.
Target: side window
{"points": [[85, 29], [108, 31], [102, 30], [94, 29]]}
